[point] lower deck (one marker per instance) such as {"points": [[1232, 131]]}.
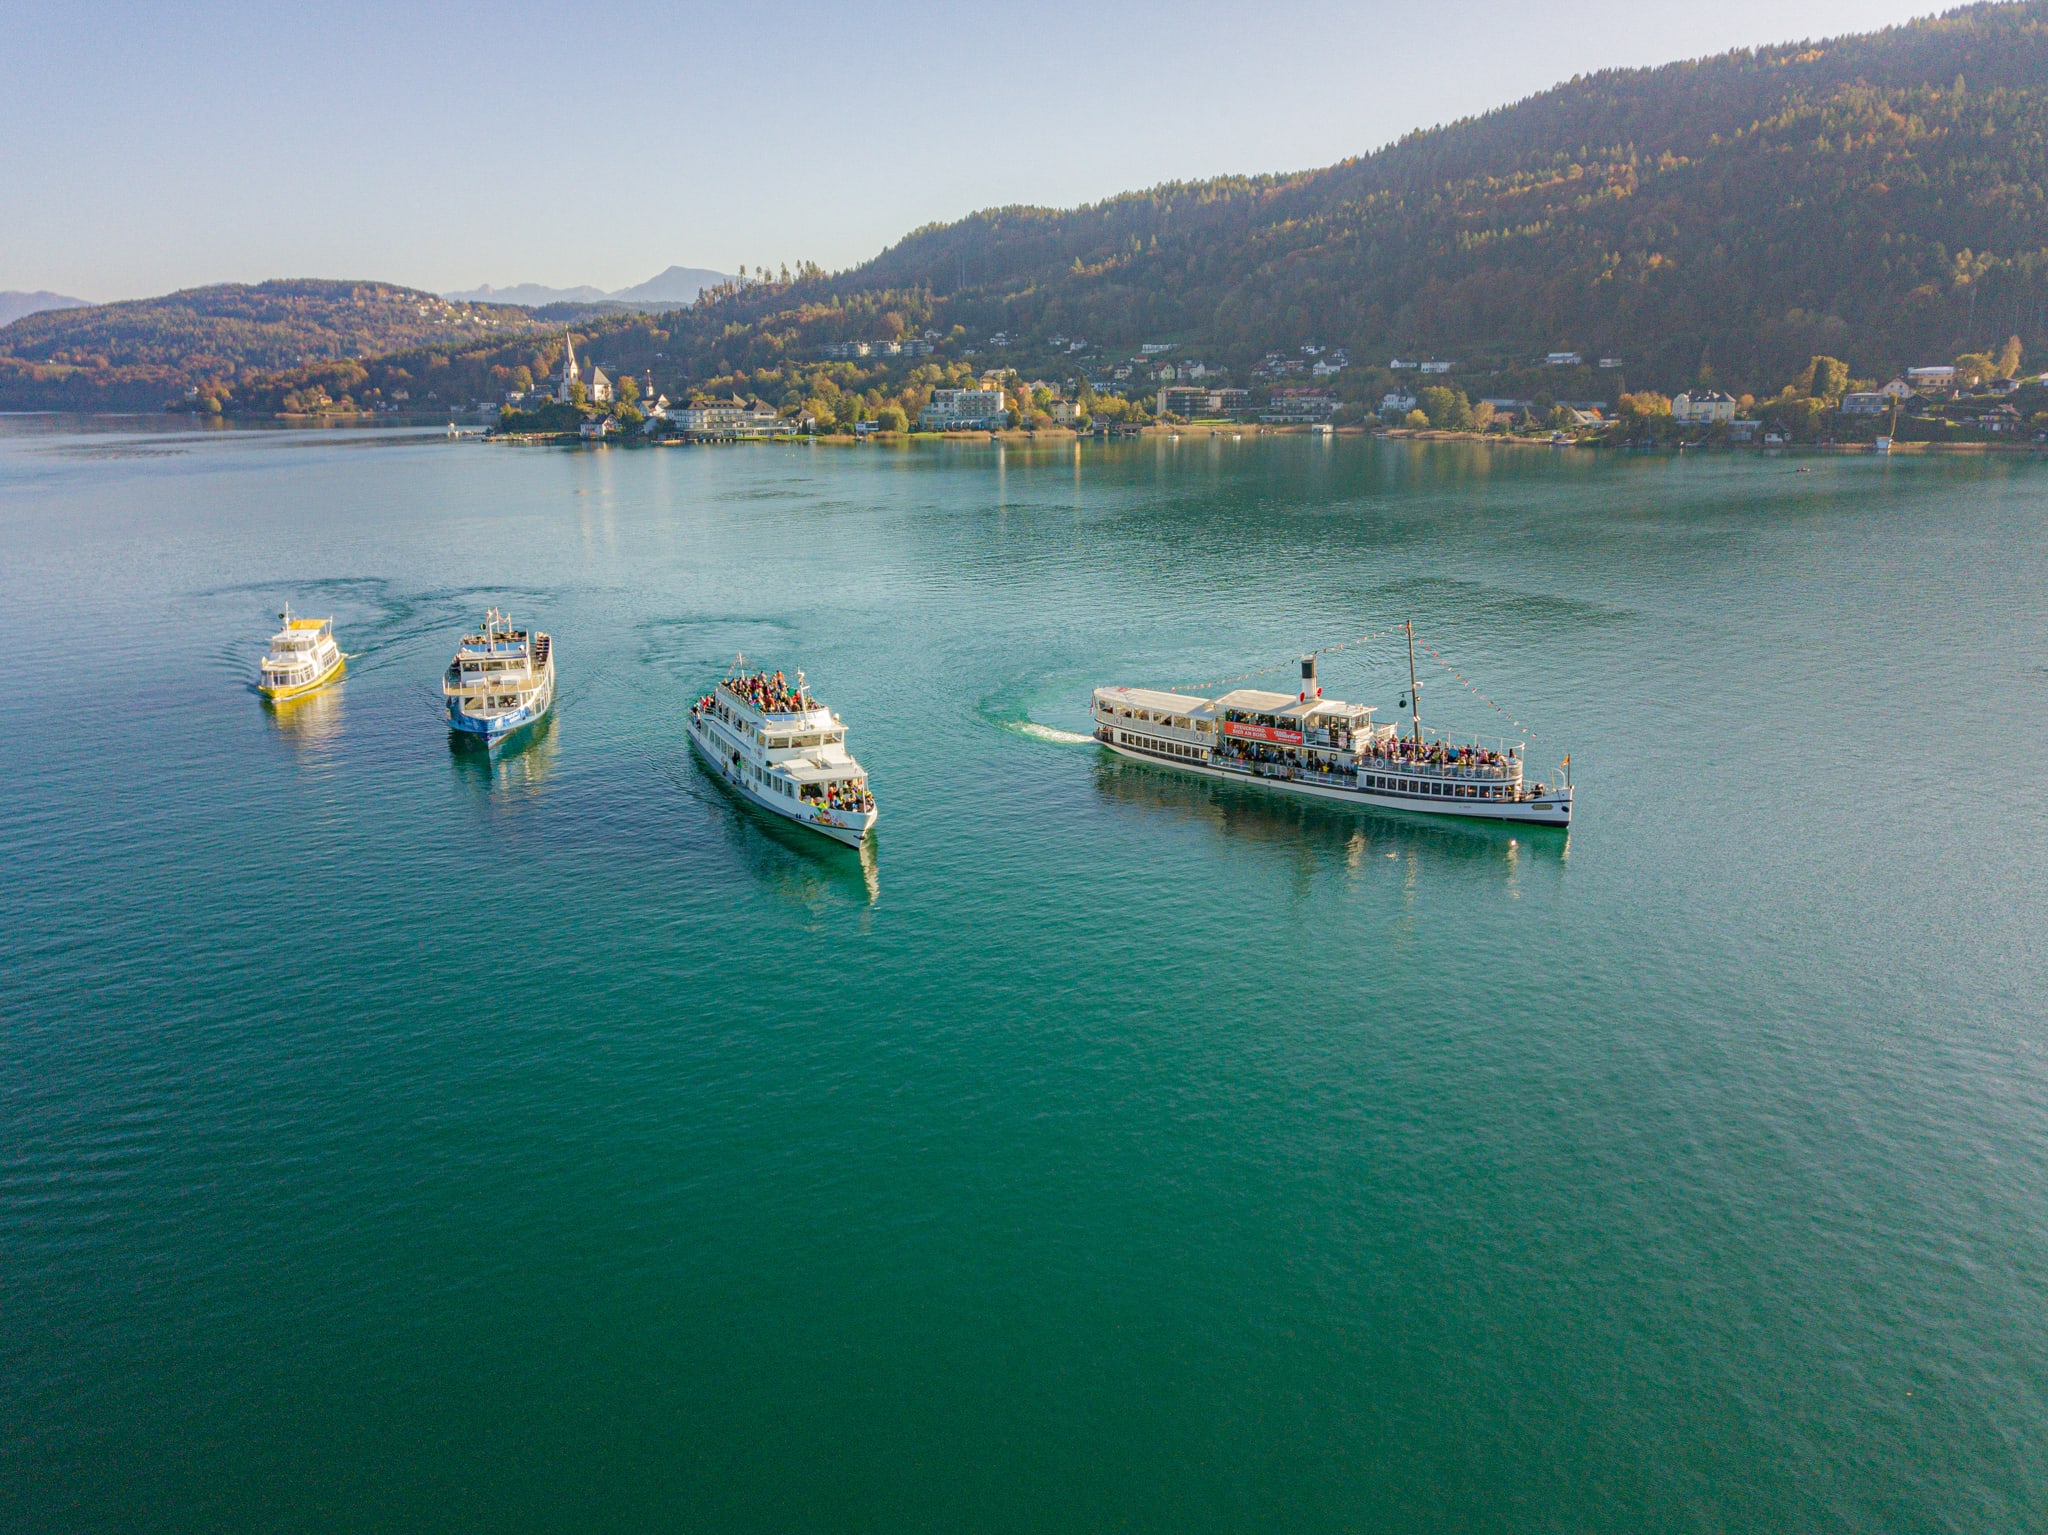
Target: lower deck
{"points": [[1390, 789]]}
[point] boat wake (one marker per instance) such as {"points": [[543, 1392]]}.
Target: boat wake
{"points": [[1039, 732]]}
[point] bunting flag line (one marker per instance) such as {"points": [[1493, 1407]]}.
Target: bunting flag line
{"points": [[1437, 657]]}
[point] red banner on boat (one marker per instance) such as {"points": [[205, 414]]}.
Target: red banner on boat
{"points": [[1261, 733]]}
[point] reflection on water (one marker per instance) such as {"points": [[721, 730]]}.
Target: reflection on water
{"points": [[1320, 828], [803, 867], [309, 722], [515, 770]]}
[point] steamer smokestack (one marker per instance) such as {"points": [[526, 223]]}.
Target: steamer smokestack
{"points": [[1310, 688]]}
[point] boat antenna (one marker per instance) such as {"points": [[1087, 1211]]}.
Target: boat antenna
{"points": [[1414, 687]]}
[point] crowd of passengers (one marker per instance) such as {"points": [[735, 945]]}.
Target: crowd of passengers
{"points": [[848, 796], [769, 694], [1435, 754]]}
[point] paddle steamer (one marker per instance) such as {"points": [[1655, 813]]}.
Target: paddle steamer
{"points": [[303, 657], [501, 680], [786, 752], [1304, 743]]}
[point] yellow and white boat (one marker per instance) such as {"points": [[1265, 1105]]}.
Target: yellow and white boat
{"points": [[303, 657]]}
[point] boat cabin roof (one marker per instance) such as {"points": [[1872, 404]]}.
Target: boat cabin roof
{"points": [[1158, 703], [1288, 706], [476, 648], [315, 624], [811, 772], [1257, 701]]}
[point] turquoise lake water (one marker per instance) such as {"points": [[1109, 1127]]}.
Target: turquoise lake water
{"points": [[394, 1139]]}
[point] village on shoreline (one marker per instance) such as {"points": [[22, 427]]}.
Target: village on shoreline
{"points": [[1975, 403]]}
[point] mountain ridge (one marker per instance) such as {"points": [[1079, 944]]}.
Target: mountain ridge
{"points": [[675, 286], [139, 352], [15, 304]]}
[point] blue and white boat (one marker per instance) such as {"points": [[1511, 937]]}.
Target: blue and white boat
{"points": [[501, 680]]}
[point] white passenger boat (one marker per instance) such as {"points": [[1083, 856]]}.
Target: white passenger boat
{"points": [[784, 751], [501, 680], [1304, 743], [303, 656]]}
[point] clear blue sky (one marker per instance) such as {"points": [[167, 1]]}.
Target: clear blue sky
{"points": [[149, 147]]}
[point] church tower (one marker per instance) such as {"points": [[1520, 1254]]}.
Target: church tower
{"points": [[570, 372]]}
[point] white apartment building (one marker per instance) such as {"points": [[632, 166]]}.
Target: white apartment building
{"points": [[965, 410], [728, 418]]}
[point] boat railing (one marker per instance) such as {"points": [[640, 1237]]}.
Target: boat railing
{"points": [[1487, 771], [1471, 772]]}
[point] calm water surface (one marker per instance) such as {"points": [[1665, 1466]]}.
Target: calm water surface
{"points": [[394, 1139]]}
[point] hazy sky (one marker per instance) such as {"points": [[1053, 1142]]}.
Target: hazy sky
{"points": [[154, 147]]}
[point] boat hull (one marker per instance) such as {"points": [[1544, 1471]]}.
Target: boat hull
{"points": [[286, 694], [843, 826], [1542, 812]]}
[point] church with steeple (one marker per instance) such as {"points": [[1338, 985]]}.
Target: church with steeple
{"points": [[598, 391]]}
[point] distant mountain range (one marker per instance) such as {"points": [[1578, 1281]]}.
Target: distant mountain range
{"points": [[14, 304], [678, 285]]}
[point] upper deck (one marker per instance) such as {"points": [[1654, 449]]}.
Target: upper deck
{"points": [[299, 634], [496, 658], [788, 714]]}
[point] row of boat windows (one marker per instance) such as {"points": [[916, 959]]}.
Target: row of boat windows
{"points": [[1433, 787], [775, 783], [779, 743], [1172, 721], [1170, 748]]}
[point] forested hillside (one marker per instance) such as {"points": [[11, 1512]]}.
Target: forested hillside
{"points": [[138, 354], [1881, 198]]}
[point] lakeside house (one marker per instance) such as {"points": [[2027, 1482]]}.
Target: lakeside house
{"points": [[1562, 360], [1703, 407], [1939, 377]]}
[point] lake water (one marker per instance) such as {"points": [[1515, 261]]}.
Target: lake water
{"points": [[394, 1139]]}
